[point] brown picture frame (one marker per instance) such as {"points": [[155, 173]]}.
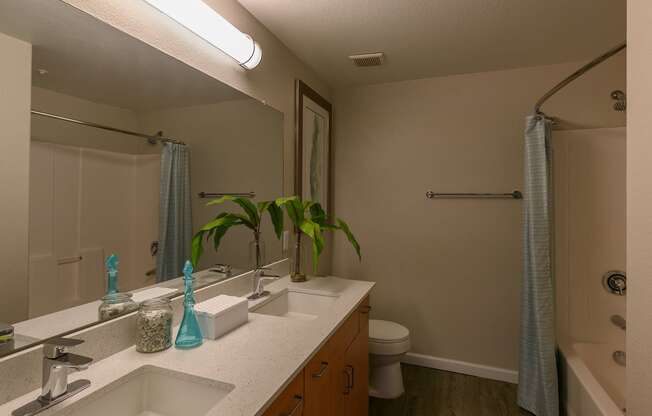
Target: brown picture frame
{"points": [[304, 96]]}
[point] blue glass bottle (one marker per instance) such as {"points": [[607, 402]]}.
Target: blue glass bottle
{"points": [[112, 263], [189, 335]]}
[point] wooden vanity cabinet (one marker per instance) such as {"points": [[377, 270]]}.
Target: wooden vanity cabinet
{"points": [[352, 389], [292, 401], [347, 389], [335, 382], [318, 379]]}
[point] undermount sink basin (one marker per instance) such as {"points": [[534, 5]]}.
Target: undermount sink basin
{"points": [[296, 305], [153, 391]]}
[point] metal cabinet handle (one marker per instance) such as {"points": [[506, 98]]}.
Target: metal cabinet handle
{"points": [[347, 390], [349, 379], [297, 406], [352, 376], [365, 310], [322, 370]]}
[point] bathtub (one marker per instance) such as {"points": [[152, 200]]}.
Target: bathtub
{"points": [[591, 383]]}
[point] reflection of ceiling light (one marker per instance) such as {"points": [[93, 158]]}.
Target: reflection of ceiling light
{"points": [[205, 22], [42, 71]]}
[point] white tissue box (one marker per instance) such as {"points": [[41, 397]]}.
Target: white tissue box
{"points": [[221, 314]]}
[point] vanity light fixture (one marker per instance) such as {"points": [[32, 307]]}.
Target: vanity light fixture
{"points": [[206, 23]]}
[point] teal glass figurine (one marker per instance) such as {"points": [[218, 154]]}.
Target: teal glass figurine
{"points": [[189, 335], [112, 263]]}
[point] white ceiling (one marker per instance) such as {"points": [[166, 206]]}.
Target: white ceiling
{"points": [[425, 38], [89, 59]]}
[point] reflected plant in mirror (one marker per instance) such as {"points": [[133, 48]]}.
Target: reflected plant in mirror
{"points": [[309, 218], [252, 219]]}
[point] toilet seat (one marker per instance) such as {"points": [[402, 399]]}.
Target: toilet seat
{"points": [[388, 338]]}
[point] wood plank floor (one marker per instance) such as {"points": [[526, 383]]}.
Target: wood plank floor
{"points": [[432, 392]]}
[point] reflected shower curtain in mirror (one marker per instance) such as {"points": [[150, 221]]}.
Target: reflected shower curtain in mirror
{"points": [[175, 221], [537, 387]]}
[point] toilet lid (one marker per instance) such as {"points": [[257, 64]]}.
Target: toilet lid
{"points": [[387, 332]]}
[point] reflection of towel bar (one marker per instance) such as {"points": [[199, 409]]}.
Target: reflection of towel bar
{"points": [[220, 194], [68, 260], [511, 195]]}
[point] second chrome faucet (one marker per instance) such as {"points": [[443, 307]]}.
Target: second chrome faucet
{"points": [[261, 276]]}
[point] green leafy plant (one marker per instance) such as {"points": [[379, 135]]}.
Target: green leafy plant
{"points": [[309, 218], [252, 219]]}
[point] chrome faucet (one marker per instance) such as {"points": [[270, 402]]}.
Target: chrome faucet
{"points": [[259, 278], [57, 364]]}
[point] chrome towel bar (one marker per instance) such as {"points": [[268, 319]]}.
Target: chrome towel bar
{"points": [[69, 260], [220, 194], [511, 195]]}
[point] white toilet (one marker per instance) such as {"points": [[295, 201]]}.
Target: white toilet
{"points": [[388, 342]]}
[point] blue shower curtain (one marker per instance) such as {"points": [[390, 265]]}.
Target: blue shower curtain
{"points": [[175, 220], [538, 386]]}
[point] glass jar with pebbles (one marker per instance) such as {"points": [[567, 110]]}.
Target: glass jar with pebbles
{"points": [[154, 325], [116, 304]]}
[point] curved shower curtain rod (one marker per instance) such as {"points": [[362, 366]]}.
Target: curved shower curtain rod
{"points": [[150, 139], [611, 52]]}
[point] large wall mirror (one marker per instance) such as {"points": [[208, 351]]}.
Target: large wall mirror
{"points": [[95, 188]]}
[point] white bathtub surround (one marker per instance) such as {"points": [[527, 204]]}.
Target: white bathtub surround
{"points": [[590, 387], [590, 240], [75, 185], [258, 358]]}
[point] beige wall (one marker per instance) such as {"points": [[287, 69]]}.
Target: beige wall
{"points": [[450, 270], [639, 208], [15, 85], [271, 82]]}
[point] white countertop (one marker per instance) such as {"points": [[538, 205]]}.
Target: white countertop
{"points": [[258, 358]]}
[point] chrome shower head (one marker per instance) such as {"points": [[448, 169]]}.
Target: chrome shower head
{"points": [[621, 100]]}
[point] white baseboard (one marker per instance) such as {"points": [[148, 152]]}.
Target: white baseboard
{"points": [[462, 367]]}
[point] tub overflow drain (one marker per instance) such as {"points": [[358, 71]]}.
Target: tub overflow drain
{"points": [[620, 358], [615, 282]]}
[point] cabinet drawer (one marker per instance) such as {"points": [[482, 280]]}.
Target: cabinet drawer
{"points": [[363, 313], [318, 376], [345, 335], [291, 401]]}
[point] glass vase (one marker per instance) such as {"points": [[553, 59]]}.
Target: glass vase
{"points": [[297, 274], [189, 335], [257, 256]]}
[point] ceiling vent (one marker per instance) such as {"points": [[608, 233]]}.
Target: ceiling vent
{"points": [[368, 59]]}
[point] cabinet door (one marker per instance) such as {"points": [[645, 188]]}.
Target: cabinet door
{"points": [[358, 359], [318, 379], [353, 369], [363, 316], [291, 401], [340, 343]]}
